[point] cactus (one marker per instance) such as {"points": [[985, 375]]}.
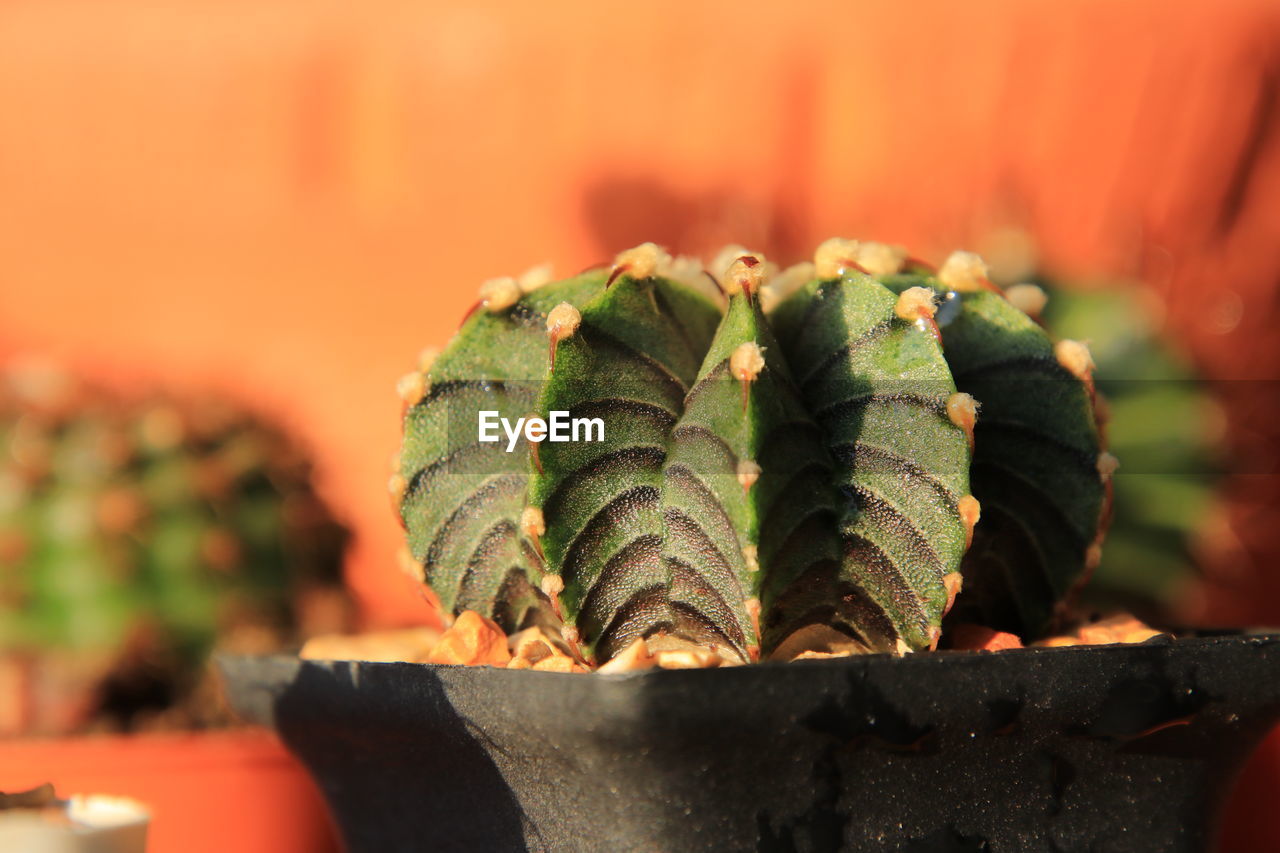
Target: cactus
{"points": [[135, 534], [1039, 469], [786, 455], [1165, 425]]}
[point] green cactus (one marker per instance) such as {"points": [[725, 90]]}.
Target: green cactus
{"points": [[1038, 470], [788, 452], [1163, 424], [135, 534]]}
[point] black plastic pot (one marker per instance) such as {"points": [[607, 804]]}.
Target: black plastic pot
{"points": [[1107, 748]]}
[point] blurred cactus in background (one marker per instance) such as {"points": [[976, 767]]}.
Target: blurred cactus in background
{"points": [[135, 535]]}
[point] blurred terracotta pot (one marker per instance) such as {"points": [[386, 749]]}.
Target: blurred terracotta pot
{"points": [[207, 792]]}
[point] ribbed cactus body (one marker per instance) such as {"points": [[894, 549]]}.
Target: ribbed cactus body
{"points": [[878, 387], [760, 472], [466, 497], [1036, 460]]}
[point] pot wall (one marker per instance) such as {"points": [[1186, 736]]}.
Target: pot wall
{"points": [[1104, 748]]}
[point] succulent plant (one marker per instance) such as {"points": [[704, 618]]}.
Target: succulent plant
{"points": [[1167, 428], [135, 534], [786, 456]]}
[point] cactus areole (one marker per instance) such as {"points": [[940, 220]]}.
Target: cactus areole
{"points": [[755, 461]]}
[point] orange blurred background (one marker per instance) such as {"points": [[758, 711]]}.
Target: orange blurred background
{"points": [[290, 199], [287, 199]]}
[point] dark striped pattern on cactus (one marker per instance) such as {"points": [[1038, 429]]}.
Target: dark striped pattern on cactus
{"points": [[783, 453]]}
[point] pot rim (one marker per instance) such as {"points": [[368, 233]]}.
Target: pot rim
{"points": [[1182, 641]]}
